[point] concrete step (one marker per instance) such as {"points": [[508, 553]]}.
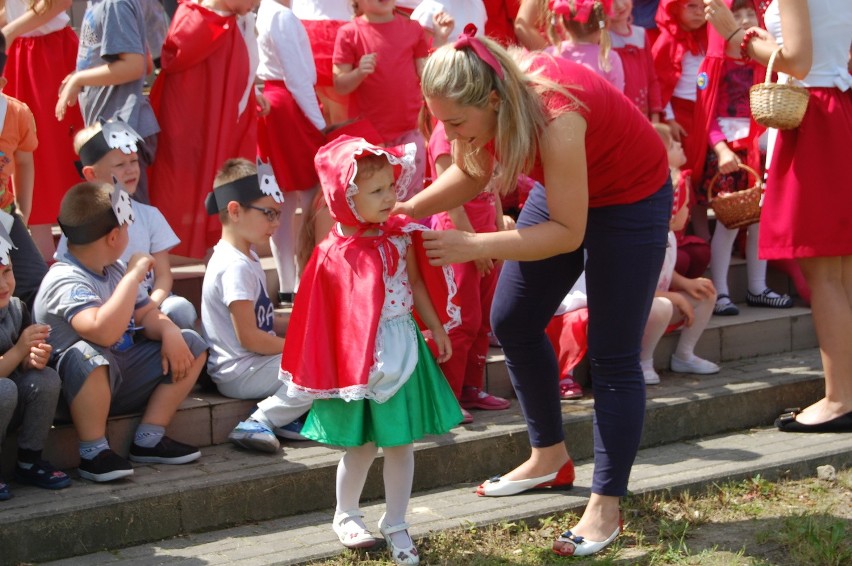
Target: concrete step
{"points": [[693, 466], [228, 486]]}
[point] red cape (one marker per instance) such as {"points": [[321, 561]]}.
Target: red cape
{"points": [[711, 73], [331, 337], [669, 48], [205, 66]]}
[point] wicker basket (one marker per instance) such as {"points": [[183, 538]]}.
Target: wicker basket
{"points": [[776, 105], [740, 208]]}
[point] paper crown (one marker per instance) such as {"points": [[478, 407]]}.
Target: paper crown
{"points": [[245, 190], [6, 244], [99, 225], [337, 166], [115, 134]]}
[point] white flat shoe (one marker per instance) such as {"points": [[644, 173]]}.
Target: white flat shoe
{"points": [[499, 487], [351, 534], [402, 556], [569, 544]]}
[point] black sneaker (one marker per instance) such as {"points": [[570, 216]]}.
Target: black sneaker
{"points": [[106, 466], [42, 474], [167, 451]]}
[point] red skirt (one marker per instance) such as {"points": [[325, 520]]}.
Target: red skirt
{"points": [[321, 34], [35, 68], [288, 139], [808, 199]]}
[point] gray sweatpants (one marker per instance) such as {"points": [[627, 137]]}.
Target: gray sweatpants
{"points": [[28, 404]]}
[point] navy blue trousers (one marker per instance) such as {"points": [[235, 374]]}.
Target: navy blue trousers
{"points": [[625, 246]]}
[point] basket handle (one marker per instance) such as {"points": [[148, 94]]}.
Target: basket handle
{"points": [[712, 183], [768, 79]]}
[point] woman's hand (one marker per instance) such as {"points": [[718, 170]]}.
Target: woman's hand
{"points": [[720, 17], [444, 247]]}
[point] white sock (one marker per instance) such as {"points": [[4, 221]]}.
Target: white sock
{"points": [[755, 268], [689, 336], [399, 477], [720, 257]]}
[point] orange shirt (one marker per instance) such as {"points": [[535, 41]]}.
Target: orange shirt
{"points": [[19, 134]]}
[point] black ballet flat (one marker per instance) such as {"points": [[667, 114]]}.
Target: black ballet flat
{"points": [[787, 423]]}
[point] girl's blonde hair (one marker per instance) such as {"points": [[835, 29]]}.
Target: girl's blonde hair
{"points": [[598, 21], [461, 76]]}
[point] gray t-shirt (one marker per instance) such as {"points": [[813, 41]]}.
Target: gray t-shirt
{"points": [[109, 28], [69, 288], [232, 276]]}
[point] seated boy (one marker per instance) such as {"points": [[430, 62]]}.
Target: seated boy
{"points": [[114, 350], [28, 389], [237, 317], [109, 151]]}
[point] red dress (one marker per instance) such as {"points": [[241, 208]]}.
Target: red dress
{"points": [[205, 68]]}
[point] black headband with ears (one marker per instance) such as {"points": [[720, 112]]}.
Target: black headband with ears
{"points": [[242, 190]]}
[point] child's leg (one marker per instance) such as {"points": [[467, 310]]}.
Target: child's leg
{"points": [[38, 393], [283, 241], [352, 473], [684, 359], [399, 477], [720, 260], [90, 406], [462, 336], [180, 311], [474, 375], [658, 320], [8, 402], [167, 397], [759, 293]]}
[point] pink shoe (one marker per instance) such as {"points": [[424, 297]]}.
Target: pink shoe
{"points": [[467, 418], [570, 389], [475, 398]]}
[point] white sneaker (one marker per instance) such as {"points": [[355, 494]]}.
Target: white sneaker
{"points": [[651, 376], [693, 365], [253, 435]]}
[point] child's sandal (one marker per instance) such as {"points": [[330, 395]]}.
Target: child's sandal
{"points": [[349, 532], [403, 556]]}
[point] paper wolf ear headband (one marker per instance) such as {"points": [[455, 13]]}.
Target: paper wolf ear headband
{"points": [[245, 190], [337, 166], [99, 225], [6, 244], [115, 134]]}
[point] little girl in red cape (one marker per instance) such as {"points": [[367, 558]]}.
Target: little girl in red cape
{"points": [[353, 344]]}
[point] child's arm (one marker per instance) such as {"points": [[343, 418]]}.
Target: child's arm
{"points": [[698, 288], [104, 325], [30, 351], [127, 67], [426, 310], [347, 78], [162, 277], [681, 304], [23, 181], [249, 335], [33, 18]]}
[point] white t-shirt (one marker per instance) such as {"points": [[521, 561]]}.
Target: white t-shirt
{"points": [[150, 233], [463, 12], [232, 276], [831, 30], [17, 8], [285, 54]]}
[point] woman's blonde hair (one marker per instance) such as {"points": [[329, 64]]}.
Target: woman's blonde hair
{"points": [[461, 76]]}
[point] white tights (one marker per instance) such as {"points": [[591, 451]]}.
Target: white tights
{"points": [[720, 258], [662, 314], [398, 477]]}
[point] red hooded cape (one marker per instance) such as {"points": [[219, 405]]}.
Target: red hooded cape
{"points": [[205, 66], [331, 337], [669, 48]]}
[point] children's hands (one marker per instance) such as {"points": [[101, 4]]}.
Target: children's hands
{"points": [[68, 92], [33, 342], [263, 107], [443, 25], [442, 341], [175, 354], [139, 265], [678, 131], [700, 288], [367, 64], [684, 306], [729, 162]]}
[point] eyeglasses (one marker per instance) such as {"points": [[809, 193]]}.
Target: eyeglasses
{"points": [[272, 214]]}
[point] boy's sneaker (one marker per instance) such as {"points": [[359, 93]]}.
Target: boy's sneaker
{"points": [[292, 430], [5, 494], [42, 474], [106, 466], [254, 435], [167, 451]]}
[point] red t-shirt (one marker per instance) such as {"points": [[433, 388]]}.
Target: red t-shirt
{"points": [[500, 24], [625, 156], [390, 98]]}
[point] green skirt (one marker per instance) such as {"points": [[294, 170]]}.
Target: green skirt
{"points": [[424, 405]]}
